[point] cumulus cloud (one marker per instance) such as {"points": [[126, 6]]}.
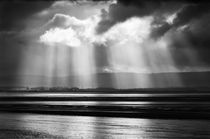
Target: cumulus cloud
{"points": [[68, 30], [64, 29], [57, 36]]}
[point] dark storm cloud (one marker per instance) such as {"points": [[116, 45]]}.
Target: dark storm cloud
{"points": [[160, 31], [124, 9], [197, 36], [191, 12], [14, 13]]}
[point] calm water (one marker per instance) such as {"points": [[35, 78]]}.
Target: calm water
{"points": [[120, 102], [22, 126]]}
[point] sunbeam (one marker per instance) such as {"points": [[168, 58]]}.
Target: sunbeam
{"points": [[65, 47], [84, 67]]}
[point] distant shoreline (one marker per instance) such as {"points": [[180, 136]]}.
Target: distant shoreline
{"points": [[106, 90]]}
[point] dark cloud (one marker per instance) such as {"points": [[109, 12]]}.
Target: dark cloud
{"points": [[160, 31], [121, 11], [105, 23], [190, 12], [14, 13], [125, 9], [185, 16]]}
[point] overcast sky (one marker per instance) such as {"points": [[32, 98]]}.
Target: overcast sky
{"points": [[86, 38]]}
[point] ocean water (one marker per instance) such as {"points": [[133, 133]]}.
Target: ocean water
{"points": [[40, 126]]}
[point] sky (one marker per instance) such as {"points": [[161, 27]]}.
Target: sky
{"points": [[93, 43]]}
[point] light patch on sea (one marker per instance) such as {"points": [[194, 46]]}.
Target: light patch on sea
{"points": [[85, 127]]}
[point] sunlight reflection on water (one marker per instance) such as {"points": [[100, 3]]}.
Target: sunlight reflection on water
{"points": [[105, 127]]}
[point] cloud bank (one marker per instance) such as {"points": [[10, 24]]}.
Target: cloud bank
{"points": [[70, 31]]}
